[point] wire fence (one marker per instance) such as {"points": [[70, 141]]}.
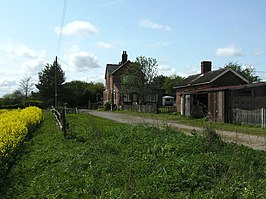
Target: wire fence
{"points": [[250, 117]]}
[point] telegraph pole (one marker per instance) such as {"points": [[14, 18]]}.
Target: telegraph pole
{"points": [[55, 83]]}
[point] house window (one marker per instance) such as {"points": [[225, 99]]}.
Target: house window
{"points": [[152, 97], [126, 98]]}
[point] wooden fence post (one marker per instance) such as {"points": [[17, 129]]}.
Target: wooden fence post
{"points": [[263, 117], [64, 120]]}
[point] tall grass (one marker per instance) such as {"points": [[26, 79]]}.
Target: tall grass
{"points": [[199, 122], [104, 159]]}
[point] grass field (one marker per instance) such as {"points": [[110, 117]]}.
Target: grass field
{"points": [[199, 122], [104, 159]]}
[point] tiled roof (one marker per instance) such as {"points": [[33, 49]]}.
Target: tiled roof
{"points": [[112, 67], [207, 77], [200, 78]]}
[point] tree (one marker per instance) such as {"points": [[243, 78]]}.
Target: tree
{"points": [[169, 84], [50, 84], [245, 72], [13, 98], [138, 78], [79, 93], [26, 86]]}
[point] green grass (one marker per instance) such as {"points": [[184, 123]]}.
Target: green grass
{"points": [[199, 122], [103, 159]]}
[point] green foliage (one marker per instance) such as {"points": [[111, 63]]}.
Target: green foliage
{"points": [[107, 106], [138, 78], [104, 159], [212, 139], [246, 72], [169, 84], [79, 93], [12, 100], [32, 102], [46, 84]]}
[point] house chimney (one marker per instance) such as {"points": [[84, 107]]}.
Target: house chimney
{"points": [[206, 66], [124, 57]]}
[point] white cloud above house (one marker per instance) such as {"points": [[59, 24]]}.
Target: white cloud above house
{"points": [[104, 45], [147, 23], [79, 28], [166, 70], [82, 60], [229, 51]]}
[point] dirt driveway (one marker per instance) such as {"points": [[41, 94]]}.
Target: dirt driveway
{"points": [[253, 141]]}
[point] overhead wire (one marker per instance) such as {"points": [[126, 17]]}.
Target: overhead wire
{"points": [[60, 38], [82, 71], [61, 27]]}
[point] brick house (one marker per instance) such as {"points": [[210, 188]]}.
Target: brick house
{"points": [[112, 92], [113, 73], [203, 94]]}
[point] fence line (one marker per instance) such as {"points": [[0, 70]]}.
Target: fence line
{"points": [[250, 117], [148, 108], [60, 116]]}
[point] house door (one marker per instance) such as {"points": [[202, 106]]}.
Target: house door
{"points": [[187, 105]]}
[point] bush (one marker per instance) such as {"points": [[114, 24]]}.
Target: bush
{"points": [[212, 138], [107, 106]]}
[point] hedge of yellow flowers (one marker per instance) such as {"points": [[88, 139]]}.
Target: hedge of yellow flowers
{"points": [[14, 127]]}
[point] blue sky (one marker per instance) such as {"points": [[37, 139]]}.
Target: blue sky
{"points": [[179, 34]]}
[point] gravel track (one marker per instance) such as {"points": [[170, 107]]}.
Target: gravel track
{"points": [[253, 141]]}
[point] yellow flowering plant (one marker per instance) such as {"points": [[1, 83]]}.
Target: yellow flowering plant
{"points": [[15, 125]]}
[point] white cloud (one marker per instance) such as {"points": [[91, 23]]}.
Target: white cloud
{"points": [[7, 83], [161, 44], [104, 45], [7, 86], [109, 3], [1, 60], [79, 28], [229, 51], [259, 52], [166, 70], [147, 23], [32, 67], [82, 60], [25, 52]]}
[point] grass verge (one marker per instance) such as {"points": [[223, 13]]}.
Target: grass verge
{"points": [[103, 159], [199, 122]]}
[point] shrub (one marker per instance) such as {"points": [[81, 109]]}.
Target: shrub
{"points": [[107, 106]]}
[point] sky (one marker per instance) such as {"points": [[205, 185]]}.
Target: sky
{"points": [[86, 35]]}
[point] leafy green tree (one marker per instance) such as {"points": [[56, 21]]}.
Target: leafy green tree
{"points": [[246, 72], [138, 78], [79, 93], [169, 83], [13, 98], [51, 79]]}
